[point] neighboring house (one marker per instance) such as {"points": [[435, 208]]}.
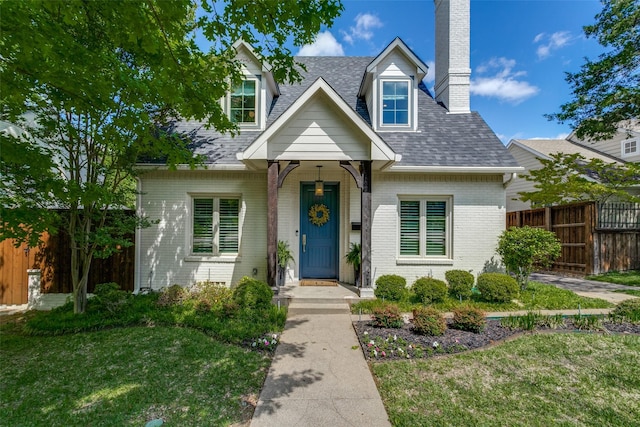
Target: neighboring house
{"points": [[623, 147], [419, 181]]}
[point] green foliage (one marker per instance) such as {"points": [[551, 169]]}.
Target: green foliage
{"points": [[566, 178], [525, 249], [540, 296], [92, 87], [469, 318], [391, 287], [388, 316], [252, 294], [606, 92], [284, 254], [631, 278], [210, 296], [108, 298], [354, 258], [429, 290], [460, 283], [172, 295], [588, 323], [497, 287], [429, 321], [628, 310]]}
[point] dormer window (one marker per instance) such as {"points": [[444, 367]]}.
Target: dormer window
{"points": [[243, 103], [395, 103], [629, 147]]}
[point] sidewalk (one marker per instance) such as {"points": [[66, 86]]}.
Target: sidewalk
{"points": [[319, 376]]}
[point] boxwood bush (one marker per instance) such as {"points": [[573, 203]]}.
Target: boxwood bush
{"points": [[429, 290], [498, 287], [460, 283], [468, 318], [429, 321], [252, 294], [391, 287]]}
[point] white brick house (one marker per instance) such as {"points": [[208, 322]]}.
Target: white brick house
{"points": [[418, 179]]}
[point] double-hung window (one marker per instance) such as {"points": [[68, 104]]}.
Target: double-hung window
{"points": [[629, 147], [425, 227], [395, 103], [243, 103], [216, 228]]}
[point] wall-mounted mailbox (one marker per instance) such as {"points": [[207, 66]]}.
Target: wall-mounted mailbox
{"points": [[356, 226]]}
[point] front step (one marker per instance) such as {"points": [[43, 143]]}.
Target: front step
{"points": [[302, 306]]}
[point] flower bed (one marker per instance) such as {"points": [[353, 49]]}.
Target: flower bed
{"points": [[403, 343]]}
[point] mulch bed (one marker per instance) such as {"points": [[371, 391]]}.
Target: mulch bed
{"points": [[379, 344]]}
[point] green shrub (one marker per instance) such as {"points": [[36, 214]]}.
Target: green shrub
{"points": [[497, 287], [173, 295], [211, 296], [628, 311], [469, 318], [460, 283], [391, 287], [429, 321], [525, 249], [388, 316], [108, 298], [252, 294], [429, 290]]}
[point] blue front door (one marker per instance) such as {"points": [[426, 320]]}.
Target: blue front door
{"points": [[319, 241]]}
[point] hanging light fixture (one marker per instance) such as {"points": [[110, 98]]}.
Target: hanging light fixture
{"points": [[319, 184]]}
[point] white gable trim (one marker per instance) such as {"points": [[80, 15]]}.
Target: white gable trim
{"points": [[528, 149], [421, 68], [265, 66], [379, 149]]}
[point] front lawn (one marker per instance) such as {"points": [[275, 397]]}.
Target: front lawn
{"points": [[537, 296], [630, 278], [127, 377], [545, 379]]}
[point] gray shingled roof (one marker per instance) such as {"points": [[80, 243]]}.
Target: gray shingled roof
{"points": [[442, 139]]}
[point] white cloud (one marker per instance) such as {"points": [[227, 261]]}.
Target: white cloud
{"points": [[431, 74], [562, 135], [365, 23], [505, 84], [325, 45], [551, 42]]}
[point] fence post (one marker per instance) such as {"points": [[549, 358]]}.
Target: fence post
{"points": [[34, 294], [590, 252], [547, 219]]}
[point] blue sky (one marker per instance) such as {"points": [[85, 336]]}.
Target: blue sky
{"points": [[520, 51]]}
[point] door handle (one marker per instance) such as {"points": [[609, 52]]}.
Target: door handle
{"points": [[304, 243]]}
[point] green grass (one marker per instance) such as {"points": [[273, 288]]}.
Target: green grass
{"points": [[537, 296], [127, 377], [633, 292], [545, 379], [630, 278]]}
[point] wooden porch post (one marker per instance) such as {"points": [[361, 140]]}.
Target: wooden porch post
{"points": [[272, 222], [365, 233]]}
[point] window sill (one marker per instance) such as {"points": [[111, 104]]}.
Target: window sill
{"points": [[230, 259], [424, 261]]}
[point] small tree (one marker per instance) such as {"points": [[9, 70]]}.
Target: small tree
{"points": [[525, 249]]}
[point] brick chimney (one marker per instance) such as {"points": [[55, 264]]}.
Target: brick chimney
{"points": [[452, 54]]}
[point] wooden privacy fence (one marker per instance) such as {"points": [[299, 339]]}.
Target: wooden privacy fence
{"points": [[596, 238], [53, 258]]}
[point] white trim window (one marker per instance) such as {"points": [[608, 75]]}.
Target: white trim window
{"points": [[215, 225], [243, 103], [629, 147], [425, 227], [395, 103]]}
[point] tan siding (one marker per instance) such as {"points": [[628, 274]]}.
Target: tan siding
{"points": [[527, 160]]}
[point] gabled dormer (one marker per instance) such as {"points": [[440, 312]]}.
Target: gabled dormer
{"points": [[247, 104], [390, 88]]}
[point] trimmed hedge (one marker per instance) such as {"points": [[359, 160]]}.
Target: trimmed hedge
{"points": [[391, 287], [429, 290], [498, 287], [388, 316], [469, 318], [460, 283], [252, 294], [429, 321]]}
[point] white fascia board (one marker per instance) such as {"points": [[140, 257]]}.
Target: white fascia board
{"points": [[204, 166], [457, 169], [257, 150], [421, 67]]}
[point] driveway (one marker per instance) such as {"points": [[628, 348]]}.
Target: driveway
{"points": [[586, 288]]}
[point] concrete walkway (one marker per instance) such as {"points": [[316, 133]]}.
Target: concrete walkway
{"points": [[586, 288], [319, 376]]}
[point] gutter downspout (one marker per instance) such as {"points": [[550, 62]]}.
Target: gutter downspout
{"points": [[138, 236], [508, 182]]}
